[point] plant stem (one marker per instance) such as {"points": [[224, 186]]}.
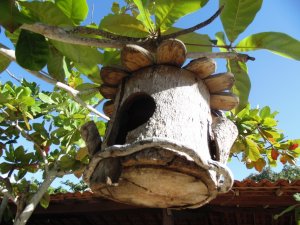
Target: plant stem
{"points": [[226, 55]]}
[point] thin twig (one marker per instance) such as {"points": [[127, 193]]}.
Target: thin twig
{"points": [[196, 27], [226, 55], [12, 75], [74, 93], [31, 139]]}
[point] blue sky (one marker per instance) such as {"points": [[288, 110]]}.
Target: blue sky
{"points": [[275, 80]]}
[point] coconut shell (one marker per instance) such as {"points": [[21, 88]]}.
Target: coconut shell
{"points": [[223, 101], [171, 52], [219, 82], [108, 108], [108, 92], [112, 75], [202, 67], [134, 57]]}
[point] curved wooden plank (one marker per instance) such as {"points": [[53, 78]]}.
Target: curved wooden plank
{"points": [[223, 101], [134, 57], [202, 67], [219, 82], [112, 75], [171, 52]]}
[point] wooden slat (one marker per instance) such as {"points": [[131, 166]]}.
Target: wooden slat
{"points": [[223, 101], [219, 82], [112, 75], [134, 57], [171, 52], [108, 92], [108, 108], [202, 67]]}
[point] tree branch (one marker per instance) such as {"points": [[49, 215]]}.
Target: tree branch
{"points": [[105, 34], [63, 35], [225, 55], [74, 93], [196, 27]]}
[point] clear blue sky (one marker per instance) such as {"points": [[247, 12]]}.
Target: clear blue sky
{"points": [[275, 80]]}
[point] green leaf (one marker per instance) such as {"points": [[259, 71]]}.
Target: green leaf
{"points": [[242, 84], [265, 112], [81, 154], [45, 98], [88, 94], [4, 63], [123, 24], [270, 122], [252, 151], [76, 10], [167, 12], [47, 12], [86, 58], [237, 15], [278, 43], [194, 42], [57, 66], [32, 50], [220, 36], [45, 200], [144, 15]]}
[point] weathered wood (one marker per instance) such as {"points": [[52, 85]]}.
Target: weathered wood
{"points": [[108, 92], [134, 57], [202, 67], [108, 108], [107, 172], [91, 137], [112, 75], [219, 82], [171, 52], [224, 101], [167, 216]]}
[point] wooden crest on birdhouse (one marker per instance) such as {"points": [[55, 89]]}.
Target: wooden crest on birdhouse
{"points": [[167, 142]]}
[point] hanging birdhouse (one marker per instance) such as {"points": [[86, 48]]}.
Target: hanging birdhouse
{"points": [[167, 142]]}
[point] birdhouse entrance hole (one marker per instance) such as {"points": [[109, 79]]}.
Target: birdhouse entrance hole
{"points": [[136, 110]]}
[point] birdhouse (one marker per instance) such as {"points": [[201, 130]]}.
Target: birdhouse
{"points": [[167, 141]]}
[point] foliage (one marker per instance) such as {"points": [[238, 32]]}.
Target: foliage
{"points": [[50, 121], [288, 172]]}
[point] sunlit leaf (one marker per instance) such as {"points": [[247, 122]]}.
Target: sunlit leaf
{"points": [[144, 15], [194, 42], [57, 66], [167, 12], [220, 36], [278, 43], [252, 150], [32, 50], [265, 112], [123, 24], [76, 10], [237, 15], [242, 84], [82, 152], [260, 164], [45, 200], [47, 12]]}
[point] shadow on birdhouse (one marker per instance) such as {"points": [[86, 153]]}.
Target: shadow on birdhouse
{"points": [[167, 142]]}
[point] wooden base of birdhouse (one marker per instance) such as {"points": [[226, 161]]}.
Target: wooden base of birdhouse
{"points": [[161, 178]]}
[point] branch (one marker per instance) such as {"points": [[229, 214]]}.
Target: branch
{"points": [[29, 138], [74, 93], [63, 35], [226, 55], [34, 201], [196, 27], [105, 34]]}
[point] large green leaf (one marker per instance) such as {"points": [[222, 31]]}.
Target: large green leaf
{"points": [[220, 36], [4, 61], [144, 15], [167, 12], [76, 10], [242, 84], [237, 15], [278, 43], [57, 66], [47, 12], [32, 50], [86, 58], [123, 24], [194, 42], [252, 151]]}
